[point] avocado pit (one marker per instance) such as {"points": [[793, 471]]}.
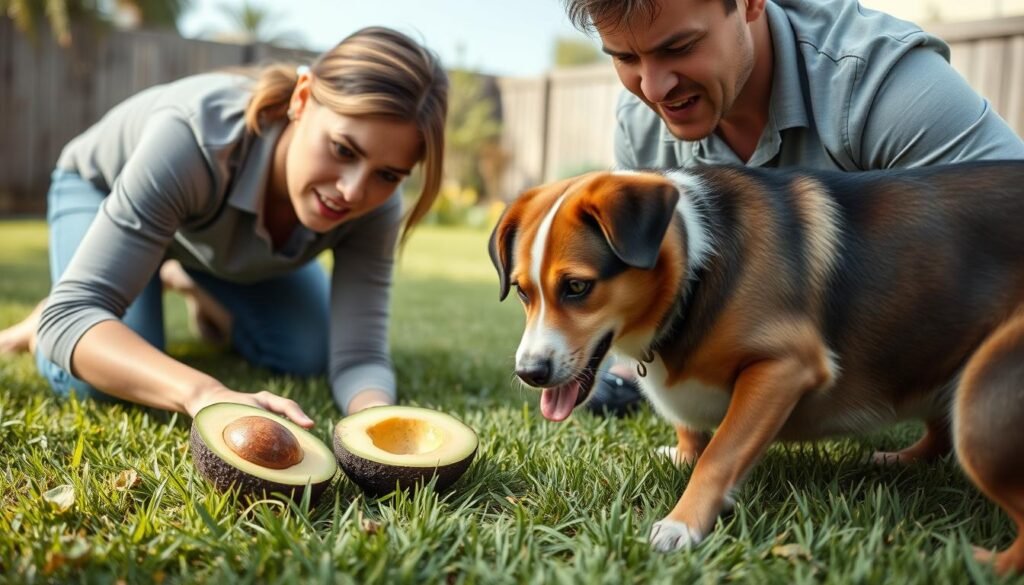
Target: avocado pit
{"points": [[263, 441]]}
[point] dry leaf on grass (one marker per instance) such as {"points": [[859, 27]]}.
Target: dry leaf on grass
{"points": [[61, 497], [126, 480], [791, 551]]}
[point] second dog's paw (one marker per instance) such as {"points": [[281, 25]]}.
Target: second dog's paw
{"points": [[671, 535]]}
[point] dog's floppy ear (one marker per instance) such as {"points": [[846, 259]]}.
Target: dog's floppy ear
{"points": [[634, 212], [502, 240]]}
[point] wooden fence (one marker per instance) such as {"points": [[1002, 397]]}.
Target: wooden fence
{"points": [[48, 95], [555, 125], [563, 123]]}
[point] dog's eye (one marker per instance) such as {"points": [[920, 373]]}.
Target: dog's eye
{"points": [[576, 289]]}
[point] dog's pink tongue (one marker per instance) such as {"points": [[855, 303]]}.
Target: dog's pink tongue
{"points": [[556, 404]]}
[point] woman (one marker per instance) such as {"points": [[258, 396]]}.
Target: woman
{"points": [[242, 182]]}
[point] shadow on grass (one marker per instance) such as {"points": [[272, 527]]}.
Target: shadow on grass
{"points": [[485, 486]]}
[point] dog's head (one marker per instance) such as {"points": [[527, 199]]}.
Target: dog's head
{"points": [[593, 262]]}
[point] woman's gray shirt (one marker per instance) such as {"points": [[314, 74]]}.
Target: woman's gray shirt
{"points": [[186, 180]]}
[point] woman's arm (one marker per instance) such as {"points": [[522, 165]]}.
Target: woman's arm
{"points": [[165, 182], [113, 357], [360, 370]]}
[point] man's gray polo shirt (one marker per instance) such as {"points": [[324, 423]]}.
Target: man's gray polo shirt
{"points": [[853, 89]]}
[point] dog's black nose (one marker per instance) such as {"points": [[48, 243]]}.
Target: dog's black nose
{"points": [[535, 373]]}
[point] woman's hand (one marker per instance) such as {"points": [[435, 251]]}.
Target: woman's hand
{"points": [[265, 400], [367, 399]]}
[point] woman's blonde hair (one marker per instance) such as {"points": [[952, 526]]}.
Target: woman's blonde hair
{"points": [[374, 72]]}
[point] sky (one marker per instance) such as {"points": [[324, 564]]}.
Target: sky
{"points": [[500, 37]]}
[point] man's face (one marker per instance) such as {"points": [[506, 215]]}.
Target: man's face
{"points": [[689, 65]]}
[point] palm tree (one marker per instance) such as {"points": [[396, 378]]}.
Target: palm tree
{"points": [[252, 23], [157, 13], [60, 14]]}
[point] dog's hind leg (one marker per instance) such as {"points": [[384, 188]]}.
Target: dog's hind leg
{"points": [[988, 419], [935, 443]]}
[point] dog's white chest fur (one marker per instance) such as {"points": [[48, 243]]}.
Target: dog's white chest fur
{"points": [[688, 403]]}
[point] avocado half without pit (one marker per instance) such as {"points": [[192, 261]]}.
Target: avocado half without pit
{"points": [[258, 452], [386, 447]]}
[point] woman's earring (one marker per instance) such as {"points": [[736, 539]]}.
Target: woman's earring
{"points": [[291, 115]]}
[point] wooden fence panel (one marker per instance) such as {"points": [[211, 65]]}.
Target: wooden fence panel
{"points": [[961, 57], [24, 63], [524, 124], [49, 95], [989, 73], [582, 101], [1013, 109]]}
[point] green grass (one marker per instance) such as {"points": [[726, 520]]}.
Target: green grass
{"points": [[543, 502]]}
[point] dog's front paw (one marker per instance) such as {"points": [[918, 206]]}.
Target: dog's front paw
{"points": [[671, 535]]}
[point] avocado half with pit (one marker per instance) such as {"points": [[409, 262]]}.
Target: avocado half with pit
{"points": [[259, 453], [386, 447]]}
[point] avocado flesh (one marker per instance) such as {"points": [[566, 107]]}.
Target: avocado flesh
{"points": [[388, 446], [224, 468]]}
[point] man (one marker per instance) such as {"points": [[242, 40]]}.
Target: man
{"points": [[823, 84]]}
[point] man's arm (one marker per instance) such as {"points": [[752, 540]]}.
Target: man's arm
{"points": [[925, 113]]}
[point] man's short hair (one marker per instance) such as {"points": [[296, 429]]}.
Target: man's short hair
{"points": [[590, 15]]}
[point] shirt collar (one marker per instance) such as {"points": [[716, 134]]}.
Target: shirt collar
{"points": [[249, 189], [788, 107]]}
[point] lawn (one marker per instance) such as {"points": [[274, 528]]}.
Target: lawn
{"points": [[542, 503]]}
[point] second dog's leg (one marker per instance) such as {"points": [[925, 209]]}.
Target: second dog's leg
{"points": [[987, 418]]}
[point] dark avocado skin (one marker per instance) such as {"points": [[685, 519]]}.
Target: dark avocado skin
{"points": [[378, 479], [223, 476]]}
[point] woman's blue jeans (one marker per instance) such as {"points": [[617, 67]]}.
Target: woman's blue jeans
{"points": [[280, 323]]}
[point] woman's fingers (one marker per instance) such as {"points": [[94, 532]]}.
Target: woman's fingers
{"points": [[285, 406], [265, 400]]}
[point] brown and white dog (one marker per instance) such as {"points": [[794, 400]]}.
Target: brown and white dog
{"points": [[792, 305]]}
